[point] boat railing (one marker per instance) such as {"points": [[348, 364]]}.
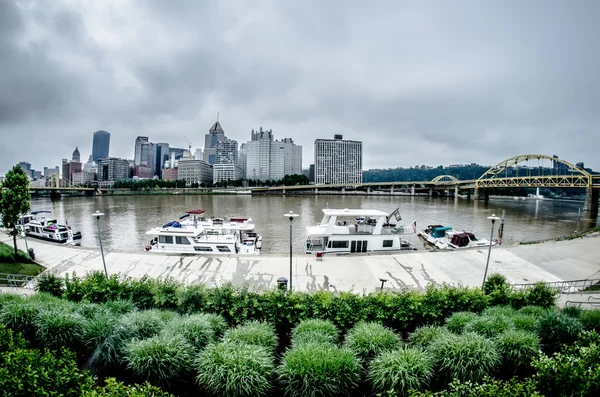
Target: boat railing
{"points": [[567, 287]]}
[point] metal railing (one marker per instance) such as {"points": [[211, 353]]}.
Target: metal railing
{"points": [[592, 301], [567, 287], [17, 280]]}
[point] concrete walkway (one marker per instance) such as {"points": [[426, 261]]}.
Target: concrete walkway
{"points": [[552, 261]]}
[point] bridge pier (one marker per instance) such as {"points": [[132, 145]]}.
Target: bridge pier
{"points": [[316, 191], [456, 191], [369, 190], [343, 190], [55, 195], [430, 191], [591, 200], [392, 189], [412, 190]]}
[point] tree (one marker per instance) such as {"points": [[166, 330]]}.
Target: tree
{"points": [[14, 200]]}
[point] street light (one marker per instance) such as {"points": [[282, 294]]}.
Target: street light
{"points": [[291, 215], [97, 215], [493, 218]]}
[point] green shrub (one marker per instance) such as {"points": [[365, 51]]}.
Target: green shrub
{"points": [[495, 311], [96, 287], [192, 299], [489, 387], [20, 316], [466, 357], [195, 329], [237, 370], [524, 322], [28, 373], [536, 311], [253, 333], [456, 322], [98, 328], [315, 330], [497, 289], [556, 329], [313, 369], [166, 360], [489, 326], [120, 306], [425, 335], [114, 388], [541, 295], [6, 298], [140, 292], [572, 311], [590, 320], [367, 340], [165, 293], [9, 340], [50, 283], [56, 328], [400, 371], [517, 349], [217, 322]]}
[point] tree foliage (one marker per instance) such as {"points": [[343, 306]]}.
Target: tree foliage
{"points": [[14, 200]]}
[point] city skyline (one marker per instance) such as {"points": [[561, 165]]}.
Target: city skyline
{"points": [[419, 83]]}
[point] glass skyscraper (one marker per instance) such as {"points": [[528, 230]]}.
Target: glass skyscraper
{"points": [[100, 145]]}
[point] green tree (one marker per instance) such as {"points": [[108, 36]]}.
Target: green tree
{"points": [[14, 201]]}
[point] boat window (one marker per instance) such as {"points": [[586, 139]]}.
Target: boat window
{"points": [[165, 239], [340, 244], [203, 249], [223, 248], [182, 240], [388, 243]]}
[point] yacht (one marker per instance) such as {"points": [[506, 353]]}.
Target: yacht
{"points": [[358, 230], [176, 238], [35, 224], [444, 237]]}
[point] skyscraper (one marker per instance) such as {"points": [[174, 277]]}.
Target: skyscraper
{"points": [[267, 158], [100, 145], [215, 134], [76, 158], [338, 161], [137, 157]]}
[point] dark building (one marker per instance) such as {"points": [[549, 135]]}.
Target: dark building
{"points": [[100, 145]]}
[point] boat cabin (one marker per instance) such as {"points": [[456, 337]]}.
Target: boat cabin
{"points": [[462, 239]]}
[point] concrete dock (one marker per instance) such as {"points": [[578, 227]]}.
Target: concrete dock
{"points": [[550, 261]]}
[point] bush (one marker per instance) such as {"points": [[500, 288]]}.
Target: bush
{"points": [[114, 388], [140, 292], [367, 340], [195, 329], [120, 306], [314, 369], [495, 311], [424, 336], [456, 322], [253, 333], [541, 295], [98, 288], [50, 283], [238, 370], [97, 329], [167, 360], [536, 311], [524, 322], [466, 357], [217, 322], [9, 340], [590, 320], [489, 326], [20, 316], [497, 289], [556, 329], [165, 293], [56, 328], [192, 299], [517, 349], [489, 387], [572, 311], [315, 330], [400, 371]]}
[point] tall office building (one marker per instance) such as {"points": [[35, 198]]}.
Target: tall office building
{"points": [[215, 134], [162, 156], [112, 169], [226, 152], [26, 167], [267, 158], [100, 145], [338, 161], [137, 156], [76, 158], [148, 156]]}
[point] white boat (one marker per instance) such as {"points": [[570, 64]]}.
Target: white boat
{"points": [[357, 230], [36, 225], [444, 237], [175, 238]]}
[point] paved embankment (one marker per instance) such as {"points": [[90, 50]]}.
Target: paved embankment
{"points": [[551, 261]]}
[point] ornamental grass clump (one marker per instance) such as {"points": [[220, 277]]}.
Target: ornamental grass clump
{"points": [[217, 323], [572, 311], [536, 311], [98, 328], [315, 330], [55, 328], [556, 329], [490, 325], [425, 335], [120, 306], [367, 340], [517, 349], [590, 320], [253, 333], [524, 322], [237, 370], [195, 329], [506, 311], [314, 369], [400, 371], [466, 357], [457, 321], [20, 316], [166, 360]]}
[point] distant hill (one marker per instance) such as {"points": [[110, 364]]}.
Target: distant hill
{"points": [[423, 173]]}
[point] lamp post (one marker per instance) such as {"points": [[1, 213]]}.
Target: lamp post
{"points": [[291, 216], [97, 215], [493, 218]]}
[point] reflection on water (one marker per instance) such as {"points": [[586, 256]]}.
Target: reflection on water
{"points": [[128, 218]]}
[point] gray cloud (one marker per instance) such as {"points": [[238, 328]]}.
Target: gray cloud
{"points": [[432, 83]]}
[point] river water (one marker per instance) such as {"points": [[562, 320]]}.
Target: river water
{"points": [[128, 218]]}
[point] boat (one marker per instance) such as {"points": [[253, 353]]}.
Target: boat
{"points": [[444, 237], [357, 231], [176, 238], [36, 225]]}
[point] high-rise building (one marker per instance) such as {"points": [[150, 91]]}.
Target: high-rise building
{"points": [[112, 169], [49, 171], [215, 134], [338, 161], [25, 166], [137, 156], [226, 152], [76, 158], [195, 171], [100, 145], [161, 156], [267, 158], [148, 156]]}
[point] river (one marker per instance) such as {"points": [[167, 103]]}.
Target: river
{"points": [[128, 218]]}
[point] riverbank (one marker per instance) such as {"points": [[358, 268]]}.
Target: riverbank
{"points": [[552, 261]]}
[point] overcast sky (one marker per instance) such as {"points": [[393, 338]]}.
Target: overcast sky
{"points": [[419, 82]]}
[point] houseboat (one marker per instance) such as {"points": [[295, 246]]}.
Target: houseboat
{"points": [[444, 237], [356, 231], [36, 225]]}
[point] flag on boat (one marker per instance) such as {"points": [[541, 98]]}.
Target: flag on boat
{"points": [[413, 226]]}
